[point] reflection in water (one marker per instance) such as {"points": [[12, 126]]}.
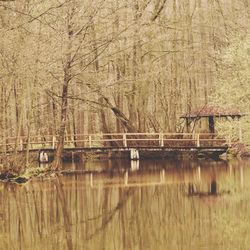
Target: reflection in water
{"points": [[145, 209], [199, 173], [162, 175], [213, 187], [134, 165], [91, 179], [126, 178], [241, 177], [65, 214]]}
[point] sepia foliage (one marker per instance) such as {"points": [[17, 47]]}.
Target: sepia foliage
{"points": [[81, 66]]}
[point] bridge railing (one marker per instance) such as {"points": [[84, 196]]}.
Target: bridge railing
{"points": [[116, 140]]}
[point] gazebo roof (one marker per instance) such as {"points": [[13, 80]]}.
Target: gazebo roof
{"points": [[214, 111]]}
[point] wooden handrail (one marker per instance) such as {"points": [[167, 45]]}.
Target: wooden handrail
{"points": [[113, 134], [126, 139]]}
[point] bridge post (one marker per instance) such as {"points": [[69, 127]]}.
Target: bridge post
{"points": [[198, 140], [53, 142], [161, 141], [90, 141], [21, 144], [124, 137]]}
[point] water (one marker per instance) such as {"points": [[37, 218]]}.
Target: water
{"points": [[160, 205]]}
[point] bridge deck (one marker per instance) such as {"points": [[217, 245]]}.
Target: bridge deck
{"points": [[120, 142]]}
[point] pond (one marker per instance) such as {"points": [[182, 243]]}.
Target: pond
{"points": [[119, 205]]}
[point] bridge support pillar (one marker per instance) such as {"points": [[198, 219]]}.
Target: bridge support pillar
{"points": [[43, 157], [134, 154]]}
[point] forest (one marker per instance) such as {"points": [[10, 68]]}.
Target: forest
{"points": [[98, 147], [92, 66]]}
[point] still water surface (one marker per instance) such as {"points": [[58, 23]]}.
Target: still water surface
{"points": [[156, 205]]}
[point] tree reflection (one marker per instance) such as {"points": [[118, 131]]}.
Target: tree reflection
{"points": [[65, 213], [68, 213]]}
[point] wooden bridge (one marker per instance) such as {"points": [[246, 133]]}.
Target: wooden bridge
{"points": [[177, 142]]}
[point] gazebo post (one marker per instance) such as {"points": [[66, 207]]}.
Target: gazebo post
{"points": [[240, 129], [211, 124], [187, 125]]}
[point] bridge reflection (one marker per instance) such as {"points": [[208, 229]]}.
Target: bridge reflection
{"points": [[83, 210]]}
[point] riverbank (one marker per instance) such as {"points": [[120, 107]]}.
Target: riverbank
{"points": [[14, 168]]}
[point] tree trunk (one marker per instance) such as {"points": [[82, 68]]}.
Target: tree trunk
{"points": [[64, 108], [66, 80]]}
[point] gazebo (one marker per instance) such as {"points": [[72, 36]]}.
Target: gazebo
{"points": [[210, 113]]}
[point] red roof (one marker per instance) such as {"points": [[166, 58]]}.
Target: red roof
{"points": [[215, 111]]}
